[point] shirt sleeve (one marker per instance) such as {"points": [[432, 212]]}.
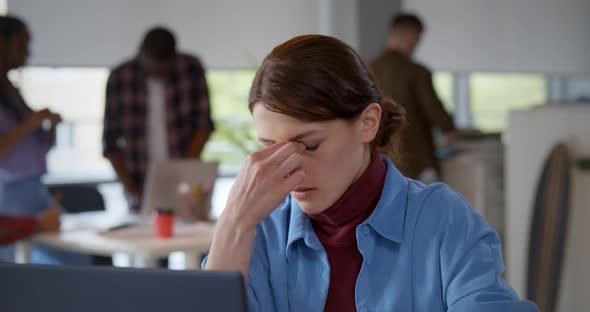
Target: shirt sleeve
{"points": [[201, 109], [259, 293], [112, 119], [430, 103], [471, 262], [13, 229]]}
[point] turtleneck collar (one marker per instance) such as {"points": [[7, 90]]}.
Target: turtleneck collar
{"points": [[338, 223]]}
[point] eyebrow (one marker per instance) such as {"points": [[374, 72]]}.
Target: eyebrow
{"points": [[295, 138]]}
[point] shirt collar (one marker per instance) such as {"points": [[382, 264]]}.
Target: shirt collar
{"points": [[387, 219], [300, 227]]}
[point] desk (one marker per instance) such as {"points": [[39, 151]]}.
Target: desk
{"points": [[477, 172], [85, 233]]}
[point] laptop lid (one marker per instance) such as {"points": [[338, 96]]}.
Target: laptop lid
{"points": [[166, 179], [28, 288]]}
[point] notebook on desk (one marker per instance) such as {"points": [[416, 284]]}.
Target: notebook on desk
{"points": [[28, 288]]}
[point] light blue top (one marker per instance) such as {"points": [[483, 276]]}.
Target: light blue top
{"points": [[27, 158], [423, 247]]}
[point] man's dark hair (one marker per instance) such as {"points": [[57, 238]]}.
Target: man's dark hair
{"points": [[10, 25], [406, 21], [159, 43]]}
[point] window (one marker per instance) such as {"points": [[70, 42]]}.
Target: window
{"points": [[443, 85], [578, 88], [233, 138], [494, 94], [78, 94], [3, 8]]}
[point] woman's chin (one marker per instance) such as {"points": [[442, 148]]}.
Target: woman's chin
{"points": [[310, 206]]}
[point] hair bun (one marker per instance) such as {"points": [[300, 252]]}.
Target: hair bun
{"points": [[392, 121]]}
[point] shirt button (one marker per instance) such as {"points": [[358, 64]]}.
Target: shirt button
{"points": [[366, 230]]}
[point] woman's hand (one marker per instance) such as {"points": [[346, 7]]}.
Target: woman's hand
{"points": [[55, 119], [49, 220], [264, 180], [35, 120], [10, 138]]}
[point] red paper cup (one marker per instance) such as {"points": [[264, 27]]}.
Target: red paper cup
{"points": [[164, 223]]}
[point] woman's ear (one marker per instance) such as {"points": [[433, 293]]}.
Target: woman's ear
{"points": [[369, 121]]}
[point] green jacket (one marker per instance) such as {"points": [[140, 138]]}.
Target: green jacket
{"points": [[410, 85]]}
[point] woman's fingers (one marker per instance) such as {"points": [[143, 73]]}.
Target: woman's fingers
{"points": [[265, 179], [275, 154], [270, 168], [278, 157], [294, 179], [290, 165], [266, 152]]}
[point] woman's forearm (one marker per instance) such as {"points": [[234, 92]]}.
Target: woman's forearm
{"points": [[266, 177], [231, 249]]}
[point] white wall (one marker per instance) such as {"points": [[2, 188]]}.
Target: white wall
{"points": [[505, 35], [225, 33], [374, 21], [345, 22]]}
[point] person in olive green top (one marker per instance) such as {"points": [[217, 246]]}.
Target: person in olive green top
{"points": [[410, 85]]}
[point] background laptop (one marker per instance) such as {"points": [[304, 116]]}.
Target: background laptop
{"points": [[28, 288], [164, 178]]}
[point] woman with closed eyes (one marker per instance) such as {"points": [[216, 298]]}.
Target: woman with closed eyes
{"points": [[319, 220]]}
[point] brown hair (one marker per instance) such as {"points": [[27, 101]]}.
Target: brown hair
{"points": [[2, 57], [407, 21], [319, 78], [159, 43], [9, 26]]}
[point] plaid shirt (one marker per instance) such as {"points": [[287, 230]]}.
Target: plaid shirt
{"points": [[187, 110], [15, 228]]}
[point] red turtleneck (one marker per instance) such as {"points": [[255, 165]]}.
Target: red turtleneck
{"points": [[336, 230]]}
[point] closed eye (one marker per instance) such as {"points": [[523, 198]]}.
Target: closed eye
{"points": [[312, 148]]}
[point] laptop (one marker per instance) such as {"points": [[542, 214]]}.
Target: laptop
{"points": [[28, 288], [165, 180]]}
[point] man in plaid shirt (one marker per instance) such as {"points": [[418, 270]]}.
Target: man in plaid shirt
{"points": [[157, 108]]}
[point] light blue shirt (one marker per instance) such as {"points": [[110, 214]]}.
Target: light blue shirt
{"points": [[423, 248], [27, 158]]}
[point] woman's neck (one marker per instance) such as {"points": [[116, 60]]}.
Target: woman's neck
{"points": [[366, 161], [358, 201]]}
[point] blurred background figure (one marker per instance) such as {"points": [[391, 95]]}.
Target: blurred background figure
{"points": [[157, 108], [25, 138], [410, 85], [518, 72]]}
